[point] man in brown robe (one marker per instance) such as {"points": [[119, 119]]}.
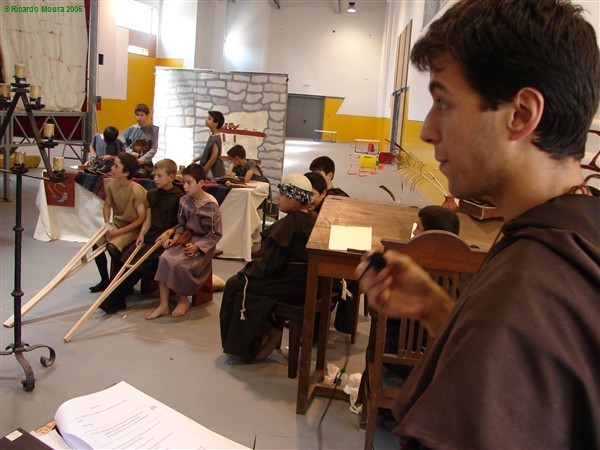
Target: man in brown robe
{"points": [[514, 363]]}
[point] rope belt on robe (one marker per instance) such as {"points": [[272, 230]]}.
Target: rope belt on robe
{"points": [[243, 310]]}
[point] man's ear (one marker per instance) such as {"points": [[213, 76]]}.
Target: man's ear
{"points": [[527, 108]]}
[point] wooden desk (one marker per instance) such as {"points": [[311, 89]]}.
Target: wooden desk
{"points": [[387, 220]]}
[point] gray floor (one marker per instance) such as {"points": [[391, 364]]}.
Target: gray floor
{"points": [[178, 361]]}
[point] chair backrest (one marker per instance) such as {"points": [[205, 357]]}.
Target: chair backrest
{"points": [[451, 263]]}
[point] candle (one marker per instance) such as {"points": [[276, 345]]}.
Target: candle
{"points": [[5, 90], [19, 158], [19, 70], [35, 91], [58, 163], [48, 130]]}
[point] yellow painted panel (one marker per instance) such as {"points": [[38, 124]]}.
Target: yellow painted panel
{"points": [[350, 128], [412, 143], [140, 89]]}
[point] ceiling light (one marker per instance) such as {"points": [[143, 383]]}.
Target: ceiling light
{"points": [[351, 7]]}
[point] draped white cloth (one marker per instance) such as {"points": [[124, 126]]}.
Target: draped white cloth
{"points": [[52, 43], [239, 211]]}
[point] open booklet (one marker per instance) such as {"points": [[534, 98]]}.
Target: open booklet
{"points": [[121, 416]]}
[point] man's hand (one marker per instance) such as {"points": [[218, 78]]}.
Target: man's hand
{"points": [[403, 289]]}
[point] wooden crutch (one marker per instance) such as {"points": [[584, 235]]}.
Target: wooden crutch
{"points": [[77, 262], [121, 276]]}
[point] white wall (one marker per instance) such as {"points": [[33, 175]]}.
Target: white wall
{"points": [[419, 99], [177, 31], [210, 31], [326, 53], [330, 54], [247, 34], [113, 42]]}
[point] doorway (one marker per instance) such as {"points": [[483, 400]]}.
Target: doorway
{"points": [[304, 116], [400, 85]]}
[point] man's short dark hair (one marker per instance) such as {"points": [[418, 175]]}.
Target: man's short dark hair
{"points": [[317, 181], [142, 107], [435, 217], [237, 150], [110, 134], [130, 164], [505, 45], [218, 117], [196, 171], [323, 163]]}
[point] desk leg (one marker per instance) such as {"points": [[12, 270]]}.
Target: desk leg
{"points": [[324, 323], [304, 381]]}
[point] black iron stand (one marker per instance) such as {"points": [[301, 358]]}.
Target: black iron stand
{"points": [[18, 348]]}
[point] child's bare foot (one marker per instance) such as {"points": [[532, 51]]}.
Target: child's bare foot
{"points": [[160, 311], [183, 305]]}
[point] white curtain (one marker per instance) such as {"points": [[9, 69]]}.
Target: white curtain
{"points": [[51, 41]]}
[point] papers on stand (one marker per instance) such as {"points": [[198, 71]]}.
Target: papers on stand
{"points": [[344, 238], [124, 417]]}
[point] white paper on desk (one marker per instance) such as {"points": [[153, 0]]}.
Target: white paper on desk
{"points": [[343, 237], [124, 417]]}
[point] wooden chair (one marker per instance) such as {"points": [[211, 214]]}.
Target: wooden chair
{"points": [[294, 316], [452, 263]]}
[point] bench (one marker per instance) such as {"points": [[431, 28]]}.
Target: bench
{"points": [[358, 142], [324, 133]]}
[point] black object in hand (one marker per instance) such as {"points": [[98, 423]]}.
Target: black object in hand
{"points": [[377, 261]]}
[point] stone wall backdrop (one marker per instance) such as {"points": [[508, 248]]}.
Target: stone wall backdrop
{"points": [[254, 106]]}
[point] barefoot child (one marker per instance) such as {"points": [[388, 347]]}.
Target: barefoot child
{"points": [[185, 264]]}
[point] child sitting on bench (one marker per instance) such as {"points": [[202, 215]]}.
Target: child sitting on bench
{"points": [[162, 205], [186, 262], [125, 200]]}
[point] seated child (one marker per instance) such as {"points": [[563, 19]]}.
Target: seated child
{"points": [[434, 217], [142, 132], [125, 199], [104, 149], [247, 329], [319, 190], [242, 167], [186, 262], [326, 166], [161, 205]]}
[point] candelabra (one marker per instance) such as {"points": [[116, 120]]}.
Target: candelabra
{"points": [[21, 89]]}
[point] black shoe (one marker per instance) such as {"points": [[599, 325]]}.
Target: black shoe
{"points": [[100, 286], [111, 306]]}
